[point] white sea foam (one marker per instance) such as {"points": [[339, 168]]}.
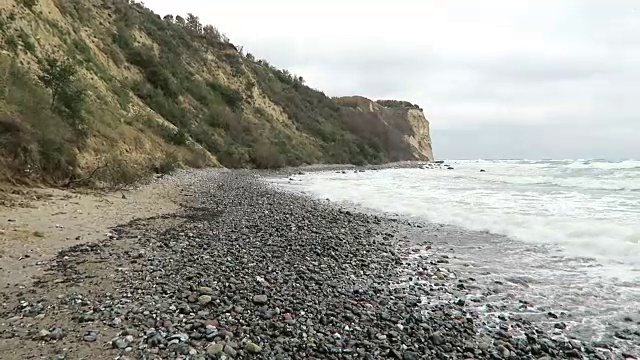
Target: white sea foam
{"points": [[584, 208], [571, 226]]}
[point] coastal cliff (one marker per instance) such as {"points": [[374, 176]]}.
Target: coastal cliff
{"points": [[400, 125], [421, 140], [109, 91]]}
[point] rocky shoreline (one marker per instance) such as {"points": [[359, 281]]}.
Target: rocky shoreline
{"points": [[248, 271]]}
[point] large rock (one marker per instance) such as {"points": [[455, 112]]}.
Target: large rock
{"points": [[253, 348], [215, 349], [206, 290], [204, 299], [260, 299]]}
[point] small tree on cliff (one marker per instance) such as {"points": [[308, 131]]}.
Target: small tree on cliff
{"points": [[211, 33], [67, 98], [168, 18], [193, 23], [57, 75]]}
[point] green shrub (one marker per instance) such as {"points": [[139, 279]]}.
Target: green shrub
{"points": [[27, 41], [36, 141], [179, 137], [230, 96], [77, 9], [169, 163], [70, 105], [81, 47], [117, 172], [4, 23], [57, 157], [17, 145], [67, 95], [266, 155], [122, 95], [234, 156], [12, 43], [115, 55], [29, 4], [198, 159], [398, 104]]}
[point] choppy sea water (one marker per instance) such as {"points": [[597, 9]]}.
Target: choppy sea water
{"points": [[563, 236]]}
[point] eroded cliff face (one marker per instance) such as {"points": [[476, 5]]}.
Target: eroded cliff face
{"points": [[421, 138], [144, 92], [401, 128]]}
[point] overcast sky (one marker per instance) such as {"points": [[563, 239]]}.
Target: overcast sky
{"points": [[497, 79]]}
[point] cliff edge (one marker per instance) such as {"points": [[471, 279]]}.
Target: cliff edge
{"points": [[421, 139], [400, 126], [107, 91]]}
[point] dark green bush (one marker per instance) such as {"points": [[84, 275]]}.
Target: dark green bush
{"points": [[27, 42], [36, 141], [29, 4], [77, 9], [230, 96], [179, 137], [169, 163], [12, 43], [67, 95]]}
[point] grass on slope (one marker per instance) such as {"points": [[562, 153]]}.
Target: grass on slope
{"points": [[152, 93]]}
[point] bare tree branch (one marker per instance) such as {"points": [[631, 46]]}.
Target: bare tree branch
{"points": [[72, 181]]}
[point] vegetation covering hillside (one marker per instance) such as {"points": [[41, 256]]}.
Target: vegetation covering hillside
{"points": [[106, 90]]}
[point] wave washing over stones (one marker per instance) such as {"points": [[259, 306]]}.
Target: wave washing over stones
{"points": [[246, 271]]}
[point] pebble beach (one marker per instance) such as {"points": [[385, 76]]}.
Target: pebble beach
{"points": [[244, 270]]}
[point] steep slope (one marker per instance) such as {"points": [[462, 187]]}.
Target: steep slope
{"points": [[401, 128], [107, 90]]}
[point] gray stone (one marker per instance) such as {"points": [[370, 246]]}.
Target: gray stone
{"points": [[573, 353], [131, 331], [260, 299], [436, 339], [91, 336], [253, 348], [410, 355], [330, 268], [120, 343], [183, 349], [560, 325], [205, 290], [215, 349], [156, 340], [204, 299], [56, 334], [503, 351], [229, 350], [181, 337]]}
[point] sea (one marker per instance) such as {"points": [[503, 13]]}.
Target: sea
{"points": [[562, 236]]}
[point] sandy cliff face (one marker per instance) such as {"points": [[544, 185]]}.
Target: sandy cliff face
{"points": [[400, 127], [421, 139], [148, 93]]}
